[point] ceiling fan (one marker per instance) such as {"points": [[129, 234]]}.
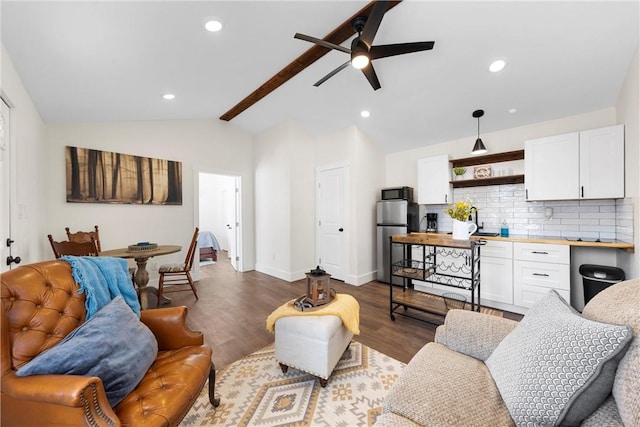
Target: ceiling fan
{"points": [[362, 50]]}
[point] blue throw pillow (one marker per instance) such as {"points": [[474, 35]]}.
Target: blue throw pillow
{"points": [[113, 345]]}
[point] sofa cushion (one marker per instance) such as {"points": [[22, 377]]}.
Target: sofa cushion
{"points": [[557, 367], [113, 345], [169, 388], [440, 387], [619, 304]]}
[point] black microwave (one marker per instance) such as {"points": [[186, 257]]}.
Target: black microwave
{"points": [[398, 193]]}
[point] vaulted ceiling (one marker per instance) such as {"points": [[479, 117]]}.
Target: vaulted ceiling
{"points": [[95, 61]]}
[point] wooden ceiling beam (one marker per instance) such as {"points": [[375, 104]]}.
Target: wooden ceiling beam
{"points": [[337, 36]]}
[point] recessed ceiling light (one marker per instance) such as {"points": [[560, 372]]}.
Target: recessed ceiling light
{"points": [[497, 65], [213, 25], [168, 96], [365, 113], [512, 110]]}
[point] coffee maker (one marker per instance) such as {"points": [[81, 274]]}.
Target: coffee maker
{"points": [[432, 223]]}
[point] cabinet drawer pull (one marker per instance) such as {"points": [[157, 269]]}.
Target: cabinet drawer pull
{"points": [[540, 274], [540, 252]]}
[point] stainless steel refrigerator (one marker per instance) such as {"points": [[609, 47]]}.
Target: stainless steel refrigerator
{"points": [[393, 217]]}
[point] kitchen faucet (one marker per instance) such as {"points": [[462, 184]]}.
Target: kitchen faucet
{"points": [[474, 214]]}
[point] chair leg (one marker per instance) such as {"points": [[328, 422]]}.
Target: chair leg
{"points": [[160, 282], [193, 288], [215, 401]]}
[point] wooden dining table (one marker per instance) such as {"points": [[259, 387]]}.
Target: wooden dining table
{"points": [[148, 295]]}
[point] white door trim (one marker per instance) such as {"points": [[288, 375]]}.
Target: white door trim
{"points": [[196, 212], [7, 191]]}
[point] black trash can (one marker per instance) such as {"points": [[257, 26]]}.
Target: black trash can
{"points": [[596, 278]]}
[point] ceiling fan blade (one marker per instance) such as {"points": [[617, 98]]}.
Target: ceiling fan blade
{"points": [[322, 43], [370, 74], [386, 50], [333, 73], [373, 22]]}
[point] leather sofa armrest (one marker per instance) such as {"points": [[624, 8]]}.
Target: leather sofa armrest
{"points": [[55, 399], [472, 333], [169, 326]]}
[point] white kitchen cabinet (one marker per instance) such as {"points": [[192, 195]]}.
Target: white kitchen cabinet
{"points": [[538, 268], [552, 167], [602, 163], [578, 165], [434, 176], [496, 272]]}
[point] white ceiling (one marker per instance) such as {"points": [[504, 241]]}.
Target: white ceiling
{"points": [[96, 61]]}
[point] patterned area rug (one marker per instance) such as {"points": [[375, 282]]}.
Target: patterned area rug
{"points": [[255, 392]]}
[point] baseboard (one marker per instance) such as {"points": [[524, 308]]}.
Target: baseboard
{"points": [[280, 274], [361, 279]]}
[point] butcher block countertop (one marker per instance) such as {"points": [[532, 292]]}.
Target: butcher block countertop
{"points": [[437, 239]]}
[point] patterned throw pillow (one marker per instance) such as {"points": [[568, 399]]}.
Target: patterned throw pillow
{"points": [[557, 367]]}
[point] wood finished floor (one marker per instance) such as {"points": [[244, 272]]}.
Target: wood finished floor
{"points": [[232, 309]]}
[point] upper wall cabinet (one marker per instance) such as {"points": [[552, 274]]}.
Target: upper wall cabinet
{"points": [[577, 165], [434, 175], [602, 163]]}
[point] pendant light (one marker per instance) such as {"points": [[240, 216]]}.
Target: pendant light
{"points": [[478, 147]]}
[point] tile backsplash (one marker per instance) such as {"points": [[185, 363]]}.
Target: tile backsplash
{"points": [[590, 219]]}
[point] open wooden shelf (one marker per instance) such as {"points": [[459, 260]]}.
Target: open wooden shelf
{"points": [[489, 158], [508, 156], [496, 180]]}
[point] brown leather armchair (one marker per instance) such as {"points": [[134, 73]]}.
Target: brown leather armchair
{"points": [[41, 306]]}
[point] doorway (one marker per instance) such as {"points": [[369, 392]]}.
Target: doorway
{"points": [[7, 194], [219, 215], [332, 233]]}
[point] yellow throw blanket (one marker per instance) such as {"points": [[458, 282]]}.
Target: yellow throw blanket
{"points": [[344, 306]]}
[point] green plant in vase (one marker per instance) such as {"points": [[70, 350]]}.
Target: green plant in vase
{"points": [[459, 172]]}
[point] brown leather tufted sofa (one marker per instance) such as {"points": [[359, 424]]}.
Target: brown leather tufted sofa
{"points": [[41, 306]]}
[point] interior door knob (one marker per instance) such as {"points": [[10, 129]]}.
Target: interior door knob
{"points": [[11, 260], [341, 229]]}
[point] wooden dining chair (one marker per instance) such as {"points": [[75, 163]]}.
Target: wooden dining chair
{"points": [[86, 248], [84, 236], [178, 276]]}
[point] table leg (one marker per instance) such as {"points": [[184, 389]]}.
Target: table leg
{"points": [[148, 295]]}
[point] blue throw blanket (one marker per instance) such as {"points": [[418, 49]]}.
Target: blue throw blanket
{"points": [[103, 279]]}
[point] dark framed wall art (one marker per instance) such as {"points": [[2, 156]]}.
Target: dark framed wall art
{"points": [[95, 176]]}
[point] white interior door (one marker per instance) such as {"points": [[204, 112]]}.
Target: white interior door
{"points": [[6, 201], [231, 204], [332, 220]]}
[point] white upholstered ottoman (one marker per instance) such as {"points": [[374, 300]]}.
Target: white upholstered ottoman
{"points": [[312, 344]]}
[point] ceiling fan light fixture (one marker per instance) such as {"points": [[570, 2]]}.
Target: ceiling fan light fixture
{"points": [[360, 61], [478, 147]]}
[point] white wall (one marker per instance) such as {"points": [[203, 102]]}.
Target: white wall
{"points": [[29, 230], [368, 164], [198, 144], [285, 201], [628, 112]]}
